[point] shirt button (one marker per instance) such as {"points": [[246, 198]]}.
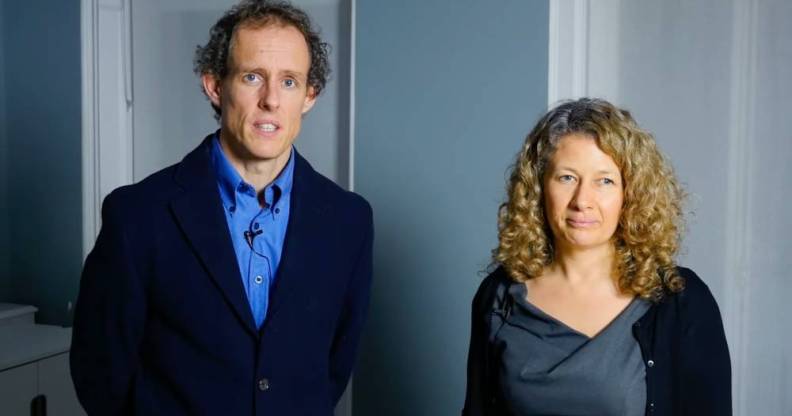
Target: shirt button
{"points": [[277, 210], [650, 363], [232, 208], [259, 279], [263, 384]]}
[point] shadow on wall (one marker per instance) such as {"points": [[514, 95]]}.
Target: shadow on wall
{"points": [[41, 179], [444, 97]]}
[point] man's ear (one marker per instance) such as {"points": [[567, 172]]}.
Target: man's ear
{"points": [[310, 99], [211, 86]]}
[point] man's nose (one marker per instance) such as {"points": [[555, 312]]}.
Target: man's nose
{"points": [[270, 97]]}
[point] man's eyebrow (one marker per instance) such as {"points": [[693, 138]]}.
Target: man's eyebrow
{"points": [[295, 74], [287, 72]]}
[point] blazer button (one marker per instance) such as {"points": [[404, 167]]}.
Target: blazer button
{"points": [[263, 384], [650, 363]]}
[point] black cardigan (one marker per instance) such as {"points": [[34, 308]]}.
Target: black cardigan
{"points": [[688, 371]]}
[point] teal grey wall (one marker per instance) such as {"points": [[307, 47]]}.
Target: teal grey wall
{"points": [[41, 66], [445, 93], [4, 283]]}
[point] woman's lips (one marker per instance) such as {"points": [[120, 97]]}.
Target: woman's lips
{"points": [[581, 223]]}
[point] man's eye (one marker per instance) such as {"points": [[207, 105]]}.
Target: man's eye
{"points": [[250, 77], [289, 83]]}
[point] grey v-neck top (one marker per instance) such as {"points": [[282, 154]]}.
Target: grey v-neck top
{"points": [[547, 368]]}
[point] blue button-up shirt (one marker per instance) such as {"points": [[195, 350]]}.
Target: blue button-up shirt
{"points": [[257, 231]]}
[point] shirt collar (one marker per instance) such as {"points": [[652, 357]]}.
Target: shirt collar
{"points": [[230, 181], [285, 178]]}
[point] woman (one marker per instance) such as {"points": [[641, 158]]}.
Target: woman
{"points": [[587, 312]]}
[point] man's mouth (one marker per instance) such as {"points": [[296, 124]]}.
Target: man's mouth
{"points": [[266, 127]]}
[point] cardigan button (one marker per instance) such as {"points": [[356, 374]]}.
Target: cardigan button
{"points": [[263, 384], [650, 363]]}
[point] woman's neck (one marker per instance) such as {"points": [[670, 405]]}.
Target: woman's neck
{"points": [[584, 266]]}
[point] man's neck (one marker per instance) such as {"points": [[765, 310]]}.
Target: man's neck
{"points": [[256, 172]]}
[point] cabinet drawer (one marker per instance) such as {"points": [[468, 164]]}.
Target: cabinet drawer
{"points": [[17, 390], [55, 383]]}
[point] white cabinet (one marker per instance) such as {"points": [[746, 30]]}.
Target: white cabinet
{"points": [[54, 382], [34, 361], [17, 390]]}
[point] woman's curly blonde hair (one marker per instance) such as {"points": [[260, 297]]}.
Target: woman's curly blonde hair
{"points": [[647, 237]]}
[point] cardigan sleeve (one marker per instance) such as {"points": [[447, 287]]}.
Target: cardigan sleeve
{"points": [[705, 373], [479, 396]]}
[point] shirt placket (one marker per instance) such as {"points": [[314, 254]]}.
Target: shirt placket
{"points": [[260, 271], [260, 266]]}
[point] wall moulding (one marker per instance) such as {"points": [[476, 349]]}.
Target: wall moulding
{"points": [[736, 308], [107, 139]]}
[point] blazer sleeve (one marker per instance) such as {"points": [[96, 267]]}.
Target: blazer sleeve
{"points": [[705, 375], [108, 320], [479, 397], [353, 314]]}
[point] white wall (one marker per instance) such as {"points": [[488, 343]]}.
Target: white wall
{"points": [[763, 359], [712, 81]]}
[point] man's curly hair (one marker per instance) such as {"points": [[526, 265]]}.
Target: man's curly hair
{"points": [[648, 235], [212, 58]]}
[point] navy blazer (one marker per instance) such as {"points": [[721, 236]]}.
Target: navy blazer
{"points": [[162, 325]]}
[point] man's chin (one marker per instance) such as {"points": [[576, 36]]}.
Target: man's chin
{"points": [[270, 154]]}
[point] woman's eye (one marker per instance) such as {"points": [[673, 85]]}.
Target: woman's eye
{"points": [[566, 178], [607, 181]]}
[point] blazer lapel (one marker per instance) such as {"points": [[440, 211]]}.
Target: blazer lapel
{"points": [[305, 223], [199, 213]]}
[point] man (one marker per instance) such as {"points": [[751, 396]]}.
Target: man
{"points": [[236, 281]]}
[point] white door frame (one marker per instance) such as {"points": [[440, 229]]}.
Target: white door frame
{"points": [[107, 139]]}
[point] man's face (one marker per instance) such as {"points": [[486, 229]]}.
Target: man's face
{"points": [[265, 94]]}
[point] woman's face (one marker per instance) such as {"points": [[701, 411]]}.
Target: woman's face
{"points": [[583, 192]]}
